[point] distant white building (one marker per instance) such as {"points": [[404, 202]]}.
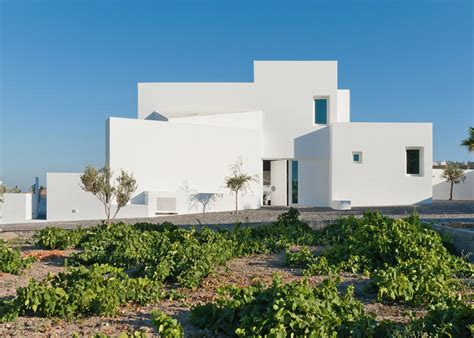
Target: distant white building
{"points": [[292, 121]]}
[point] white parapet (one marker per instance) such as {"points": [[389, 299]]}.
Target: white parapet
{"points": [[17, 207]]}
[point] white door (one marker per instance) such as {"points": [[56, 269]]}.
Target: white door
{"points": [[278, 182]]}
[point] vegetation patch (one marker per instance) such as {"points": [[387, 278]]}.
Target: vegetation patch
{"points": [[166, 326], [53, 238], [405, 259], [98, 290], [166, 252], [301, 310], [11, 260], [281, 310]]}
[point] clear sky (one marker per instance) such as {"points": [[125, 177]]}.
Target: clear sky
{"points": [[68, 65]]}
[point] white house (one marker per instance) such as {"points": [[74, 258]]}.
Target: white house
{"points": [[290, 126]]}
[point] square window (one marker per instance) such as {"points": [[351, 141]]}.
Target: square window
{"points": [[413, 161], [357, 157], [320, 111]]}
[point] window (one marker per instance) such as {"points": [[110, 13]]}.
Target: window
{"points": [[294, 182], [357, 157], [320, 111], [413, 161]]}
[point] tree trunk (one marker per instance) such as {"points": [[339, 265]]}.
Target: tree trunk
{"points": [[451, 191], [236, 201]]}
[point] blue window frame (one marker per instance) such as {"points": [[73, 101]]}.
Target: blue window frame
{"points": [[321, 111], [294, 182]]}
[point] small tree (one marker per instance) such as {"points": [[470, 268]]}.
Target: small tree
{"points": [[99, 183], [453, 174], [239, 181], [469, 142]]}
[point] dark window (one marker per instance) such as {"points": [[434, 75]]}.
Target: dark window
{"points": [[321, 111], [357, 157], [266, 172], [413, 162], [294, 182]]}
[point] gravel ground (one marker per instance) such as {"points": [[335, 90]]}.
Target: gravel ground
{"points": [[439, 211]]}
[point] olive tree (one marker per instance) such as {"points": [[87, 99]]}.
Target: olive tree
{"points": [[99, 182], [239, 181], [453, 174]]}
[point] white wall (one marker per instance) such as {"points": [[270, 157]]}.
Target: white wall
{"points": [[461, 191], [285, 94], [167, 156], [67, 201], [17, 207], [247, 120], [381, 179], [184, 99], [283, 90], [343, 105], [313, 183]]}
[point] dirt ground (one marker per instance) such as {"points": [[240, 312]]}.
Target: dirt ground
{"points": [[239, 272]]}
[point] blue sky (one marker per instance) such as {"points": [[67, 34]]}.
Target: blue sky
{"points": [[68, 65]]}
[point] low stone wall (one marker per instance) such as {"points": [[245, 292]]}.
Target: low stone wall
{"points": [[463, 239]]}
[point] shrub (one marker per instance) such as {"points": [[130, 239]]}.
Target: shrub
{"points": [[99, 290], [299, 259], [168, 253], [294, 309], [11, 260], [455, 320], [166, 326], [406, 260], [53, 238]]}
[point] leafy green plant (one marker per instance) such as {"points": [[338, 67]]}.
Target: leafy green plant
{"points": [[299, 258], [168, 253], [99, 290], [454, 320], [406, 260], [57, 238], [11, 260], [293, 309], [166, 326]]}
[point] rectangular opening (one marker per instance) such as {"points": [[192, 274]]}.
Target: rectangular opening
{"points": [[413, 161], [357, 157], [320, 111], [294, 182]]}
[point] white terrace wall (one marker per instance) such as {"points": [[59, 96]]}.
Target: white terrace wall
{"points": [[461, 191], [381, 178], [189, 158], [68, 202], [188, 98], [17, 208]]}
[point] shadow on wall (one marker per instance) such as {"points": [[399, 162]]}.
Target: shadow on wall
{"points": [[304, 145], [204, 200], [461, 191]]}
